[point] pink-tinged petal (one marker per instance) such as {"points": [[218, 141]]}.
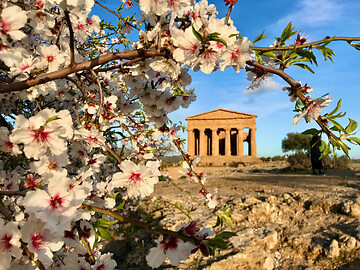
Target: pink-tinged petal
{"points": [[155, 257], [35, 201], [21, 136]]}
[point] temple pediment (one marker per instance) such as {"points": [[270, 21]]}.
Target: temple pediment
{"points": [[221, 114]]}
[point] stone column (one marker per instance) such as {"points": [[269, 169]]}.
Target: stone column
{"points": [[191, 142], [227, 142], [252, 142], [202, 139], [215, 142], [240, 142]]}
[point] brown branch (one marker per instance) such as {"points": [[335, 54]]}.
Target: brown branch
{"points": [[228, 15], [13, 193], [113, 153], [125, 219], [62, 73], [276, 71], [72, 40], [307, 45], [86, 244], [59, 34], [296, 86]]}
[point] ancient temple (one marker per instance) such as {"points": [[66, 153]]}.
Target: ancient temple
{"points": [[222, 137]]}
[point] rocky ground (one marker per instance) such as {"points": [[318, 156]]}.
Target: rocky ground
{"points": [[282, 220]]}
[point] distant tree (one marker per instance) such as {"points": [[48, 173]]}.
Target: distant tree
{"points": [[296, 142]]}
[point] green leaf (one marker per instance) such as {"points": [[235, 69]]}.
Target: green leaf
{"points": [[355, 45], [344, 148], [105, 223], [223, 214], [351, 126], [104, 233], [287, 33], [259, 37], [337, 125], [216, 38], [218, 243], [311, 131], [353, 140], [336, 109], [306, 67], [327, 52], [308, 55], [269, 54], [52, 119], [197, 34], [339, 115], [325, 149], [119, 207]]}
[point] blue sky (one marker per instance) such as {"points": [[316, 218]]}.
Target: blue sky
{"points": [[316, 19]]}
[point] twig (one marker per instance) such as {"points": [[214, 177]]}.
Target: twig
{"points": [[86, 244], [113, 153], [72, 40], [186, 159], [117, 15], [311, 44], [59, 34], [228, 15], [125, 219]]}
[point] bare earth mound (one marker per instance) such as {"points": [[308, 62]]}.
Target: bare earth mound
{"points": [[282, 220]]}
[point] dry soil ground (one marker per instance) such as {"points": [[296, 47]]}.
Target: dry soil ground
{"points": [[283, 220]]}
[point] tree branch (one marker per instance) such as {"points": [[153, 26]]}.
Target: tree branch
{"points": [[307, 45], [62, 73], [296, 86]]}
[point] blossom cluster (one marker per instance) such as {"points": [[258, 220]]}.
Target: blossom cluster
{"points": [[76, 132]]}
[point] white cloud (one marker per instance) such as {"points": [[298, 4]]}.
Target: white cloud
{"points": [[267, 85], [312, 13]]}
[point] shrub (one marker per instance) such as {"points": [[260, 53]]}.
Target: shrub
{"points": [[299, 160]]}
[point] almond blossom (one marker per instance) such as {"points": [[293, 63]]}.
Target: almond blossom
{"points": [[5, 144], [237, 54], [138, 179], [39, 133], [9, 242], [169, 247], [57, 206], [312, 110], [12, 19], [41, 241], [51, 57]]}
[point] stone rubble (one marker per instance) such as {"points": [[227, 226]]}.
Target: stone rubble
{"points": [[305, 229]]}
